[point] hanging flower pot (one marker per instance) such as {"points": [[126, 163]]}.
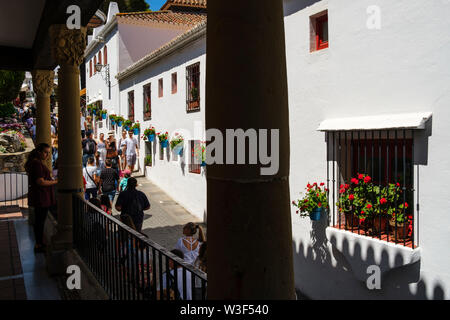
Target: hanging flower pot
{"points": [[315, 214], [151, 137], [136, 131], [113, 122], [103, 116], [119, 123], [203, 164], [164, 143]]}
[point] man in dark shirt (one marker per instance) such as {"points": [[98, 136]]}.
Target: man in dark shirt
{"points": [[133, 203], [89, 147], [108, 179]]}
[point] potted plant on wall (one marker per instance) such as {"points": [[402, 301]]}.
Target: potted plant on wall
{"points": [[94, 110], [148, 160], [127, 124], [119, 120], [112, 118], [314, 201], [104, 112], [136, 127], [163, 139], [195, 98], [401, 222], [176, 144], [149, 134]]}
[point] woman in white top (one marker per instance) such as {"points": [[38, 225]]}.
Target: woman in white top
{"points": [[188, 244], [101, 147]]}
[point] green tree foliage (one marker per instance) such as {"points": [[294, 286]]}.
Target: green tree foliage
{"points": [[10, 84]]}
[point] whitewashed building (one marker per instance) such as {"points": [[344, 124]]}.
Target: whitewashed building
{"points": [[370, 78]]}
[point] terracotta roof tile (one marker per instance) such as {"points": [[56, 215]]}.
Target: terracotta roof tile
{"points": [[165, 16], [190, 3]]}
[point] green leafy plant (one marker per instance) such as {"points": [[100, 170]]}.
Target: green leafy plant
{"points": [[315, 197], [112, 117], [162, 136], [120, 119], [178, 139], [194, 94], [148, 160], [128, 123], [7, 110], [137, 125], [149, 131], [104, 111]]}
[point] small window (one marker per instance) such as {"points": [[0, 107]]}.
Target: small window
{"points": [[174, 83], [193, 88], [105, 55], [160, 88], [147, 89], [131, 105], [100, 57], [195, 156], [319, 31]]}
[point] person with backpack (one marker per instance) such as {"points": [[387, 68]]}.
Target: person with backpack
{"points": [[132, 203], [90, 175], [89, 148], [108, 180]]}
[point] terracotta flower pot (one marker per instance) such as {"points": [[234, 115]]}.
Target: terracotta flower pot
{"points": [[379, 225], [401, 230], [351, 221]]}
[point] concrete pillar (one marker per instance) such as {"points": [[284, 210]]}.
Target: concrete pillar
{"points": [[249, 220], [43, 86], [68, 48]]}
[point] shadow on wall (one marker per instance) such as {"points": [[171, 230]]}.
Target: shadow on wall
{"points": [[323, 272], [292, 6]]}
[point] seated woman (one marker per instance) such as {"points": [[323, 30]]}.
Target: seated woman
{"points": [[188, 244]]}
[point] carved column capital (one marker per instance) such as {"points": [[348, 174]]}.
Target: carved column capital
{"points": [[43, 82], [68, 45]]}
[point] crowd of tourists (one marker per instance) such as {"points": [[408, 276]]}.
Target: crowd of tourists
{"points": [[107, 174]]}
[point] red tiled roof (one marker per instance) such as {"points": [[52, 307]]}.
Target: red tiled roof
{"points": [[166, 16], [187, 3]]}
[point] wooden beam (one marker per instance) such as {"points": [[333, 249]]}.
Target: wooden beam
{"points": [[15, 58]]}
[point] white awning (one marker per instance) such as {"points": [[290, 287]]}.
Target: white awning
{"points": [[386, 121]]}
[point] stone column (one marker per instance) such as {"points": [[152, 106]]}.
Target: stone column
{"points": [[249, 220], [68, 48], [43, 86]]}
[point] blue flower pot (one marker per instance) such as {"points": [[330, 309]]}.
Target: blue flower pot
{"points": [[119, 123], [103, 116], [315, 214], [203, 164], [136, 132], [151, 137], [164, 143], [94, 111], [113, 122], [126, 128]]}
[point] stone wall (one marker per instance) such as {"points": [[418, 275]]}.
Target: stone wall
{"points": [[14, 162]]}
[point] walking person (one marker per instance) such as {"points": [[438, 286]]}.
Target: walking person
{"points": [[101, 148], [176, 287], [89, 147], [88, 124], [108, 180], [132, 203], [112, 153], [121, 150], [83, 125], [188, 244], [131, 150], [41, 193], [90, 175]]}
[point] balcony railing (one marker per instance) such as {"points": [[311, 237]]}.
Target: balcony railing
{"points": [[387, 156], [127, 264]]}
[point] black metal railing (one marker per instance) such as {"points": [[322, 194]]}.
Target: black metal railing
{"points": [[387, 156], [127, 264], [13, 192]]}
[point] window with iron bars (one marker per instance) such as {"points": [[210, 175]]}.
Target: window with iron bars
{"points": [[131, 105], [193, 87], [195, 157], [387, 212], [147, 93]]}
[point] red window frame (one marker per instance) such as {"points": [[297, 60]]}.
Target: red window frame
{"points": [[147, 96], [320, 43], [131, 105], [160, 88], [174, 83]]}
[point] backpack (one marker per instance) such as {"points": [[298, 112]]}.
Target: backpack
{"points": [[89, 147]]}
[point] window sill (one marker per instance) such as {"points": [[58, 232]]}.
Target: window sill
{"points": [[362, 252]]}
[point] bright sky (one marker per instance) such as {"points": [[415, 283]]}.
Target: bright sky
{"points": [[155, 5]]}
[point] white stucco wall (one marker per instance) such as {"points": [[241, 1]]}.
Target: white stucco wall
{"points": [[401, 68], [169, 114]]}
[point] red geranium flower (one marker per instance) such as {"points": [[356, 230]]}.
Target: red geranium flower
{"points": [[383, 200], [361, 220], [342, 186], [355, 181], [342, 191], [398, 184], [406, 205], [347, 186], [351, 197], [367, 179], [322, 184], [319, 204], [369, 206], [360, 176]]}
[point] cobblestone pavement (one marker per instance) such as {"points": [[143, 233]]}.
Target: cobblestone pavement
{"points": [[164, 222]]}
